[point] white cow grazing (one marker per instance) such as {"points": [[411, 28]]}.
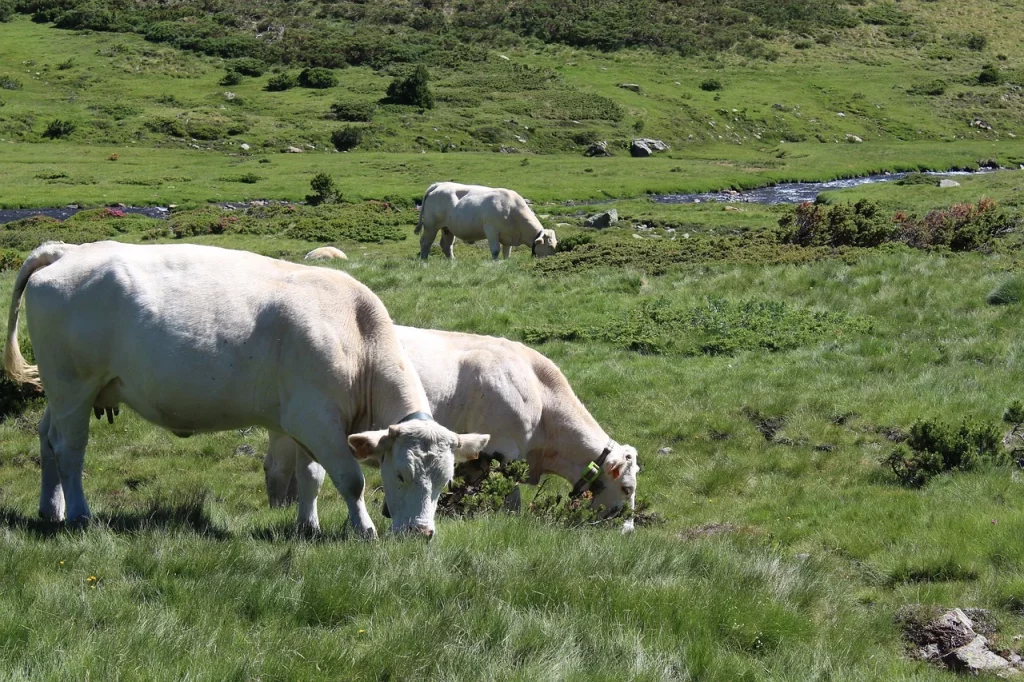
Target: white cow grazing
{"points": [[197, 338], [326, 253], [520, 396], [473, 212]]}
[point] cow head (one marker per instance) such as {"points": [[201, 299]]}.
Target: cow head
{"points": [[417, 460], [545, 244], [617, 489]]}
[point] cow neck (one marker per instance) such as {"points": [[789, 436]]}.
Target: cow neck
{"points": [[393, 390], [573, 439]]}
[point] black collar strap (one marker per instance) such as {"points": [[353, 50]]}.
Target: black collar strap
{"points": [[591, 474], [416, 415], [533, 248]]}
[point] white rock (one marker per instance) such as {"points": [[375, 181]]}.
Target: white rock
{"points": [[946, 182], [244, 147]]}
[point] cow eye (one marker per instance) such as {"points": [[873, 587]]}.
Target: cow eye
{"points": [[401, 478], [628, 489]]}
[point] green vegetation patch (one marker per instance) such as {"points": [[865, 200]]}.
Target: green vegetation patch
{"points": [[934, 447], [716, 327]]}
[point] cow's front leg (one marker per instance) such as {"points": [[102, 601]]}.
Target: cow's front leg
{"points": [[506, 250], [309, 477], [51, 496]]}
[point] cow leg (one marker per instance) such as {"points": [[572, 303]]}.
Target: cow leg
{"points": [[506, 250], [427, 240], [68, 434], [51, 497], [492, 241], [309, 477], [447, 241], [329, 447]]}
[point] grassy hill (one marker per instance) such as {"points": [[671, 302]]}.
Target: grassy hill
{"points": [[767, 373]]}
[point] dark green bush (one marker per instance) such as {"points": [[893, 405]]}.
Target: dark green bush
{"points": [[248, 66], [933, 88], [1014, 414], [10, 259], [249, 178], [324, 191], [934, 448], [59, 128], [573, 241], [280, 82], [711, 85], [6, 10], [317, 78], [1009, 292], [961, 227], [356, 112], [346, 138], [9, 83], [976, 41], [990, 75], [884, 14], [860, 224], [231, 78], [413, 90]]}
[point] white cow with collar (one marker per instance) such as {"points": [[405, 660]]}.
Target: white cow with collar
{"points": [[520, 396], [474, 212], [197, 338]]}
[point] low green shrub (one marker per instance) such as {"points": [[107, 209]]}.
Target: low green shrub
{"points": [[573, 241], [167, 126], [59, 128], [355, 112], [9, 83], [6, 10], [317, 78], [932, 88], [248, 178], [248, 66], [346, 138], [231, 78], [280, 83], [961, 227], [413, 90], [933, 448], [861, 224], [324, 191], [990, 75], [10, 259], [711, 85]]}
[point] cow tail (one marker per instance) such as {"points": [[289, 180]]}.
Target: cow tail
{"points": [[14, 362], [419, 221]]}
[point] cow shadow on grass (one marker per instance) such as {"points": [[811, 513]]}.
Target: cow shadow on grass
{"points": [[287, 532], [187, 512]]}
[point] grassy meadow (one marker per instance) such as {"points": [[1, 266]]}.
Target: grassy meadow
{"points": [[763, 382]]}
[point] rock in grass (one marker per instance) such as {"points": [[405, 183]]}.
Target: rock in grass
{"points": [[976, 657], [598, 149], [946, 182], [630, 86], [603, 219], [646, 146], [1009, 292]]}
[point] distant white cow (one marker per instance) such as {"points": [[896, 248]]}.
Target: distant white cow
{"points": [[326, 253], [474, 212], [197, 338], [521, 398]]}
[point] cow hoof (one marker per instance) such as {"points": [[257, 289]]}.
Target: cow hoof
{"points": [[309, 531], [78, 523], [366, 533], [51, 515]]}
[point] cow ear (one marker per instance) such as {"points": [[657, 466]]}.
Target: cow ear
{"points": [[369, 445], [615, 468], [469, 446], [540, 238]]}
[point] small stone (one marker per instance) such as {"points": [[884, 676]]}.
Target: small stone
{"points": [[294, 150], [946, 182], [665, 451], [976, 657], [630, 86], [850, 137], [229, 95], [244, 147], [840, 114]]}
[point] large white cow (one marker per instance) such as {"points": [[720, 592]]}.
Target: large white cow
{"points": [[474, 212], [197, 338], [520, 396]]}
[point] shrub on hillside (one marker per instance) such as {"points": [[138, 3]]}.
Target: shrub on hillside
{"points": [[167, 126], [711, 85], [933, 88], [934, 447], [9, 83], [6, 10], [10, 259], [860, 224], [317, 78], [59, 128], [324, 191], [961, 227], [990, 75], [346, 138], [231, 78], [356, 112], [248, 66], [280, 82], [413, 90]]}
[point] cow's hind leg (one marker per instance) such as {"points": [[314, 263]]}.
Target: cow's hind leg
{"points": [[68, 435], [506, 250], [427, 240], [51, 496], [447, 242]]}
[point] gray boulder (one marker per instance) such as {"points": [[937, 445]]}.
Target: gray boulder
{"points": [[946, 182], [603, 219], [598, 149], [646, 146], [630, 86]]}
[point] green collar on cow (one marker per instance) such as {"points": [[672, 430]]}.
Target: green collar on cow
{"points": [[591, 474], [425, 416]]}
